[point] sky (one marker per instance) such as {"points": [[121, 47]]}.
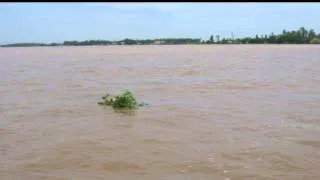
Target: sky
{"points": [[57, 22]]}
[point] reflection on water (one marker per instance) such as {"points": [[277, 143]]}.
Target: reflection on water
{"points": [[217, 112]]}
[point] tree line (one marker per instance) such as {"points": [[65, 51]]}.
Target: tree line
{"points": [[168, 41], [299, 36], [134, 42]]}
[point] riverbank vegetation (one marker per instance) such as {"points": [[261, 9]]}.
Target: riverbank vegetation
{"points": [[124, 101], [299, 36]]}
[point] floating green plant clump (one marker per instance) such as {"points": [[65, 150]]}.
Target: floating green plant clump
{"points": [[123, 101]]}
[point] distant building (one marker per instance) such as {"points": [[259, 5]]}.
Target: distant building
{"points": [[158, 42]]}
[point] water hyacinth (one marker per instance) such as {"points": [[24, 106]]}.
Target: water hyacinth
{"points": [[124, 101]]}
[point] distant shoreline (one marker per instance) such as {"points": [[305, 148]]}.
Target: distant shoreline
{"points": [[300, 36], [136, 45]]}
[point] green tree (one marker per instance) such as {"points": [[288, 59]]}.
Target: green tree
{"points": [[312, 34], [303, 34], [211, 39]]}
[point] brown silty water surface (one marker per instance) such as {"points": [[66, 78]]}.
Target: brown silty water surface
{"points": [[216, 112]]}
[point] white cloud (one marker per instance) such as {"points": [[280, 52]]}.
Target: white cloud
{"points": [[166, 7], [11, 4]]}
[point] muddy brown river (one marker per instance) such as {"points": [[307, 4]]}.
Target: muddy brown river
{"points": [[229, 112]]}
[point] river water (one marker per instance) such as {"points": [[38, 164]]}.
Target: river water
{"points": [[224, 112]]}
